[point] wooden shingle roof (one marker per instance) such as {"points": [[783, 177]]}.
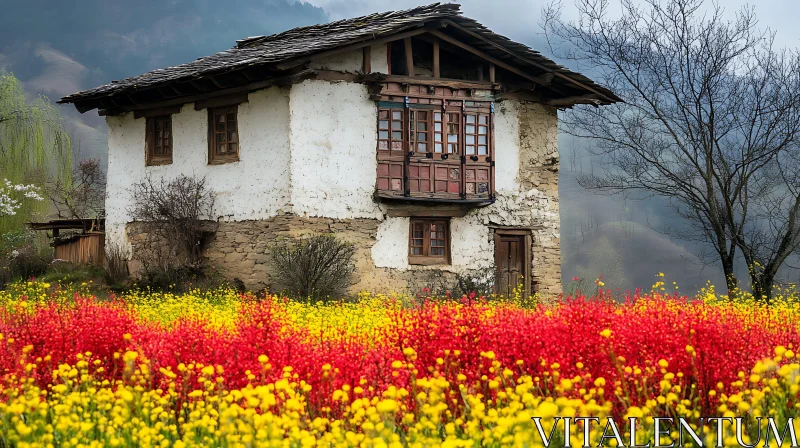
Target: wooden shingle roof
{"points": [[264, 54]]}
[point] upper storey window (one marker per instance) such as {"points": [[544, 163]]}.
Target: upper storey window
{"points": [[435, 148], [223, 141], [159, 140]]}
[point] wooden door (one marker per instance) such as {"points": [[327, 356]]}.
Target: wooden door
{"points": [[510, 255]]}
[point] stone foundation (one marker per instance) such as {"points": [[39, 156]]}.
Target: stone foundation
{"points": [[240, 249]]}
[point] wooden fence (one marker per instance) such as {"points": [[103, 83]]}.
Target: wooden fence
{"points": [[83, 249]]}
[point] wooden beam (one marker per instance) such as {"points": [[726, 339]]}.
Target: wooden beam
{"points": [[485, 56], [281, 81], [366, 59], [522, 95], [409, 56], [436, 68], [157, 111], [352, 47], [544, 79], [491, 73], [534, 63], [573, 100], [427, 211], [198, 87], [388, 57], [454, 83], [220, 101]]}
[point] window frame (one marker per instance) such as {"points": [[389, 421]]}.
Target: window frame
{"points": [[213, 157], [426, 259], [425, 172], [151, 159]]}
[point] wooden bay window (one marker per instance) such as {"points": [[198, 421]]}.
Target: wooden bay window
{"points": [[223, 135], [158, 143], [436, 149], [428, 242]]}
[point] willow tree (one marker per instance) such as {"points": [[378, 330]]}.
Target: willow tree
{"points": [[34, 146]]}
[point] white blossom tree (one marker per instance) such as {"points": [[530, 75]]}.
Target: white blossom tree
{"points": [[12, 196]]}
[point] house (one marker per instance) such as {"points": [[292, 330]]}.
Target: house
{"points": [[421, 136]]}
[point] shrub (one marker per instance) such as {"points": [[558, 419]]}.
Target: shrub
{"points": [[22, 255], [115, 265], [481, 282], [174, 213], [316, 268], [175, 216], [64, 273]]}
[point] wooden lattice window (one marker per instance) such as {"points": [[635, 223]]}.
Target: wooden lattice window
{"points": [[421, 130], [428, 242], [476, 134], [223, 135], [453, 132], [390, 131], [435, 150], [159, 140]]}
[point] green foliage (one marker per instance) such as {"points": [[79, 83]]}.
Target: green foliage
{"points": [[34, 147], [23, 254], [65, 273]]}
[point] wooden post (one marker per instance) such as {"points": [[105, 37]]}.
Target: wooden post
{"points": [[480, 72], [436, 69], [491, 73], [389, 57], [409, 57], [366, 63]]}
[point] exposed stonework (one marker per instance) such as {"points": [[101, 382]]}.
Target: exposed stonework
{"points": [[240, 249], [538, 173]]}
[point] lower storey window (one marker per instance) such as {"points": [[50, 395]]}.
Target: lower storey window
{"points": [[429, 241]]}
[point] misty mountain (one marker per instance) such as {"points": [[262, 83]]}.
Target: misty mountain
{"points": [[113, 40], [58, 48]]}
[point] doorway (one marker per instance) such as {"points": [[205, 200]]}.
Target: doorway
{"points": [[512, 259]]}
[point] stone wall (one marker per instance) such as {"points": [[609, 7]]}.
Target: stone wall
{"points": [[539, 163], [240, 249]]}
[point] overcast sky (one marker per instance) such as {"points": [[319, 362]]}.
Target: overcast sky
{"points": [[518, 19]]}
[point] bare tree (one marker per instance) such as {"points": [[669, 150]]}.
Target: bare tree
{"points": [[174, 213], [710, 120], [80, 193]]}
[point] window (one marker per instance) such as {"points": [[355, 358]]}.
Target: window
{"points": [[159, 140], [428, 242], [435, 148], [223, 135]]}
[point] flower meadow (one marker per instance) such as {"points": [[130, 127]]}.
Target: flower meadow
{"points": [[218, 368]]}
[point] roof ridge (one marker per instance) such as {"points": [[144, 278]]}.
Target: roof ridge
{"points": [[443, 9]]}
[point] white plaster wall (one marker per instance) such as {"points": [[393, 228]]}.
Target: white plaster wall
{"points": [[391, 245], [506, 146], [379, 62], [333, 141], [351, 62], [256, 187]]}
